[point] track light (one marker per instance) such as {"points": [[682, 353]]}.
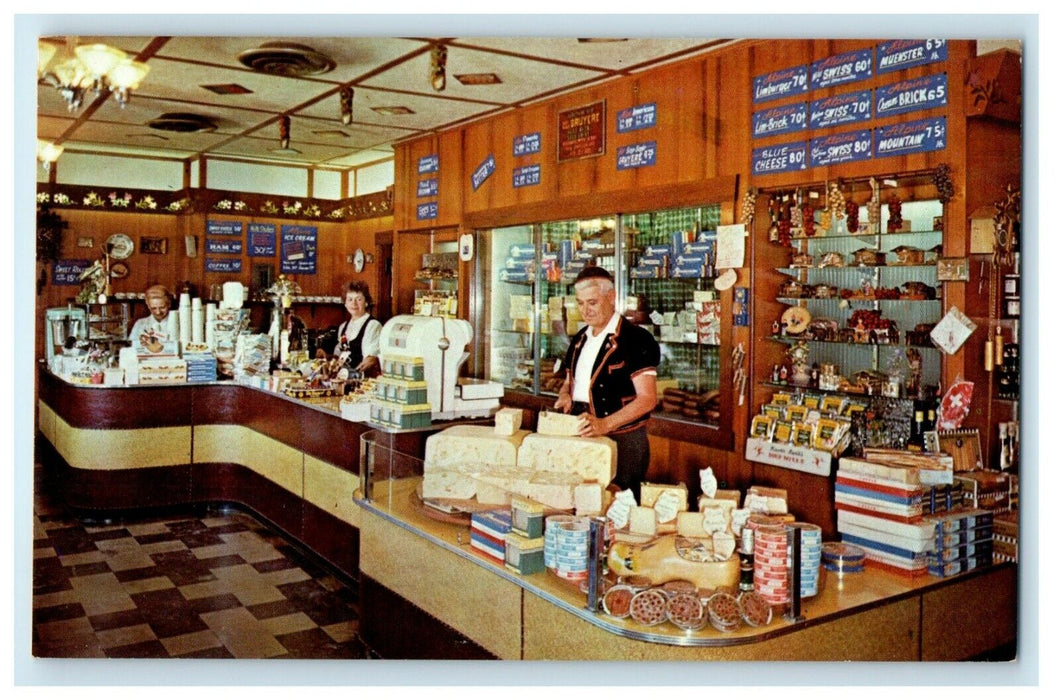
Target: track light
{"points": [[346, 104], [439, 54]]}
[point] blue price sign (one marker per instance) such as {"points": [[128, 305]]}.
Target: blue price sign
{"points": [[781, 83], [782, 158], [261, 240], [902, 54], [224, 264], [298, 246], [841, 148], [911, 95], [483, 172], [427, 211], [912, 137], [779, 120], [67, 272], [526, 144], [427, 188], [636, 155], [841, 109], [638, 117], [224, 228], [841, 69], [428, 164], [225, 246], [526, 176]]}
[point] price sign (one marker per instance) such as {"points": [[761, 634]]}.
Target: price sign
{"points": [[427, 188], [428, 164], [902, 54], [780, 83], [225, 246], [298, 246], [224, 228], [483, 172], [841, 69], [427, 211], [841, 109], [526, 176], [782, 158], [637, 155], [526, 144], [841, 148], [779, 120], [914, 95], [68, 272], [634, 118], [581, 132], [224, 264], [261, 240], [920, 136]]}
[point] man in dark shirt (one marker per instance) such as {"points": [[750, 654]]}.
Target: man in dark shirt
{"points": [[610, 372]]}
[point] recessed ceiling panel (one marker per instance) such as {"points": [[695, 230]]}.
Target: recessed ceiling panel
{"points": [[606, 55]]}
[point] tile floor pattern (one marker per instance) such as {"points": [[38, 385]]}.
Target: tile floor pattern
{"points": [[216, 584]]}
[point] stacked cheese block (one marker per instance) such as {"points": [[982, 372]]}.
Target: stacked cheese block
{"points": [[491, 464], [400, 394]]}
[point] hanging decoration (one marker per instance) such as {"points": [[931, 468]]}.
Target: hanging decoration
{"points": [[943, 182], [1007, 226], [894, 210], [852, 214], [872, 209], [285, 131], [808, 224], [837, 203], [747, 211], [50, 227], [346, 104]]}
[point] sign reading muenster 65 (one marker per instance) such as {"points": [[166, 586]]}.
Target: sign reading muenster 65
{"points": [[841, 148], [912, 137], [839, 70], [779, 120], [914, 95], [903, 53], [841, 109], [781, 158], [780, 83]]}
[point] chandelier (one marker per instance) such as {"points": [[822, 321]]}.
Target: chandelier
{"points": [[97, 67]]}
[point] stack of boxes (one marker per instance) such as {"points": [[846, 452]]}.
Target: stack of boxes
{"points": [[525, 542], [489, 530], [519, 266], [400, 399], [963, 540], [201, 366]]}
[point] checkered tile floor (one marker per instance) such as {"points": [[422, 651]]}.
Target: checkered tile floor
{"points": [[214, 585]]}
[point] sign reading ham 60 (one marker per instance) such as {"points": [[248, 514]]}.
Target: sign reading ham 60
{"points": [[914, 95], [781, 158], [912, 137]]}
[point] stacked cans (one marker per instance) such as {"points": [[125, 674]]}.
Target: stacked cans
{"points": [[567, 546], [843, 558], [772, 561]]}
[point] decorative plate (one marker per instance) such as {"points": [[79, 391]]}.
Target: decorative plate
{"points": [[119, 246], [795, 320], [119, 270]]}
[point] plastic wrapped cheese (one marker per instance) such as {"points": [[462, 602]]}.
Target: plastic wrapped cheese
{"points": [[590, 459], [471, 449]]}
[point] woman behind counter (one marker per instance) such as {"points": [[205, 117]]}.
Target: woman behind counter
{"points": [[357, 338]]}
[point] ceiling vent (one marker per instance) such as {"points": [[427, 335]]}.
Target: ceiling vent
{"points": [[183, 122], [284, 58]]}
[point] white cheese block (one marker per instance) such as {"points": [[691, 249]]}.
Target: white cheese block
{"points": [[553, 423], [471, 449], [724, 545], [446, 484], [588, 499], [642, 520], [590, 459], [507, 421], [719, 496], [490, 494], [723, 503], [500, 484], [690, 524], [649, 494], [553, 489]]}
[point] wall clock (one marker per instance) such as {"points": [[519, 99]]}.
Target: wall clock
{"points": [[358, 260], [119, 246]]}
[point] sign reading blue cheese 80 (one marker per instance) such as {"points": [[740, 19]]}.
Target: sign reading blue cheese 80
{"points": [[781, 158], [920, 136]]}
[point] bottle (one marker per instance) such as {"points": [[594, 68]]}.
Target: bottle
{"points": [[916, 436]]}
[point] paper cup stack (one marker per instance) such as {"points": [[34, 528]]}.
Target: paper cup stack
{"points": [[567, 546]]}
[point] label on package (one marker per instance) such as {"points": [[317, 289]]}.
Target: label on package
{"points": [[780, 83], [911, 95], [841, 148], [841, 69], [905, 53], [841, 109], [779, 120], [781, 158], [920, 136]]}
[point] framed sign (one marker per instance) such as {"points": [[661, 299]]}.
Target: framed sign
{"points": [[153, 246], [582, 132]]}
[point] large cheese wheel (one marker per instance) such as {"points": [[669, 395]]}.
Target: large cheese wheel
{"points": [[590, 459], [471, 449]]}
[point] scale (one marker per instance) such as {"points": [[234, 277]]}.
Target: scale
{"points": [[60, 325]]}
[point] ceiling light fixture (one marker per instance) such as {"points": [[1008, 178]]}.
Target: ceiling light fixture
{"points": [[99, 67], [346, 104], [439, 55], [48, 153], [285, 131]]}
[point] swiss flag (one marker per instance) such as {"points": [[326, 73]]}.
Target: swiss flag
{"points": [[955, 405]]}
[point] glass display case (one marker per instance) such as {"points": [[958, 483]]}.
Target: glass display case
{"points": [[663, 267]]}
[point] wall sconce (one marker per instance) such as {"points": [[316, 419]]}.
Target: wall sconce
{"points": [[48, 153], [285, 131], [346, 104], [439, 54]]}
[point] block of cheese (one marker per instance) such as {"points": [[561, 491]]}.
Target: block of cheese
{"points": [[719, 496], [448, 484], [471, 449], [499, 484], [723, 503], [553, 489], [491, 494], [649, 494], [690, 524], [508, 421], [588, 499], [761, 499], [590, 459], [642, 520], [554, 423]]}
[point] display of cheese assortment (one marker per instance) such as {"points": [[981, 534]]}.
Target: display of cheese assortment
{"points": [[810, 420]]}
